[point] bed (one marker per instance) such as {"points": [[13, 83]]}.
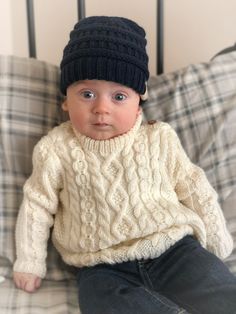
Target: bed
{"points": [[199, 101]]}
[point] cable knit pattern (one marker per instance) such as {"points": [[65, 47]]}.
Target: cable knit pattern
{"points": [[110, 201]]}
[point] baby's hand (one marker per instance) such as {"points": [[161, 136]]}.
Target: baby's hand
{"points": [[27, 282]]}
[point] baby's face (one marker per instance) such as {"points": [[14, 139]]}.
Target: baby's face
{"points": [[100, 109]]}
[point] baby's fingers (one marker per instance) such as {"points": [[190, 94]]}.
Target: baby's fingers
{"points": [[29, 286], [26, 281], [38, 282], [18, 282]]}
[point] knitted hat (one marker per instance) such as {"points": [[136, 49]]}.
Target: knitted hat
{"points": [[106, 48]]}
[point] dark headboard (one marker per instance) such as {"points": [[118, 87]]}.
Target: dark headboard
{"points": [[81, 9]]}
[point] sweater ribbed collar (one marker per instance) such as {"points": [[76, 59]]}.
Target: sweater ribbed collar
{"points": [[114, 144]]}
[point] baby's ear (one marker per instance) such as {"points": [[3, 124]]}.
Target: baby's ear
{"points": [[139, 110], [64, 106]]}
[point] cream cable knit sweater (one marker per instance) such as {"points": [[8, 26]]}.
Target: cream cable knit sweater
{"points": [[110, 201]]}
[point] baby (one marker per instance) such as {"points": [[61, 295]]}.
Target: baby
{"points": [[128, 208]]}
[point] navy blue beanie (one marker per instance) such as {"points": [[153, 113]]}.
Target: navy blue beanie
{"points": [[106, 48]]}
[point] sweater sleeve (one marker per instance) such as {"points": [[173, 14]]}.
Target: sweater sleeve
{"points": [[35, 216], [195, 192]]}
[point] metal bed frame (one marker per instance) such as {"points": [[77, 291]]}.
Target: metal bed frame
{"points": [[82, 13]]}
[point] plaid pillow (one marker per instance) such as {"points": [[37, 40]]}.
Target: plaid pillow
{"points": [[30, 106], [199, 101]]}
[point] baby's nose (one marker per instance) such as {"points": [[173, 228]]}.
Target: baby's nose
{"points": [[101, 106]]}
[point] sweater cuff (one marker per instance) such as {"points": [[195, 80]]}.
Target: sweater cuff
{"points": [[221, 249], [38, 269]]}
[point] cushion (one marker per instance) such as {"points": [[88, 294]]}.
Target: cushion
{"points": [[30, 105], [226, 50], [199, 101]]}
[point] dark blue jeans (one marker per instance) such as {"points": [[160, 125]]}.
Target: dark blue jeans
{"points": [[185, 279]]}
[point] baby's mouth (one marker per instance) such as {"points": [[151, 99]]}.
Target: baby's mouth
{"points": [[101, 124]]}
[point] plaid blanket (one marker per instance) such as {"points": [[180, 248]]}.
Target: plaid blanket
{"points": [[199, 101], [59, 297]]}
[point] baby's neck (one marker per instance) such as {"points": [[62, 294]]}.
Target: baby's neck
{"points": [[108, 146]]}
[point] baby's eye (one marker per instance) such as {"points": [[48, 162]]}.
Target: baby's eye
{"points": [[120, 97], [87, 94]]}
